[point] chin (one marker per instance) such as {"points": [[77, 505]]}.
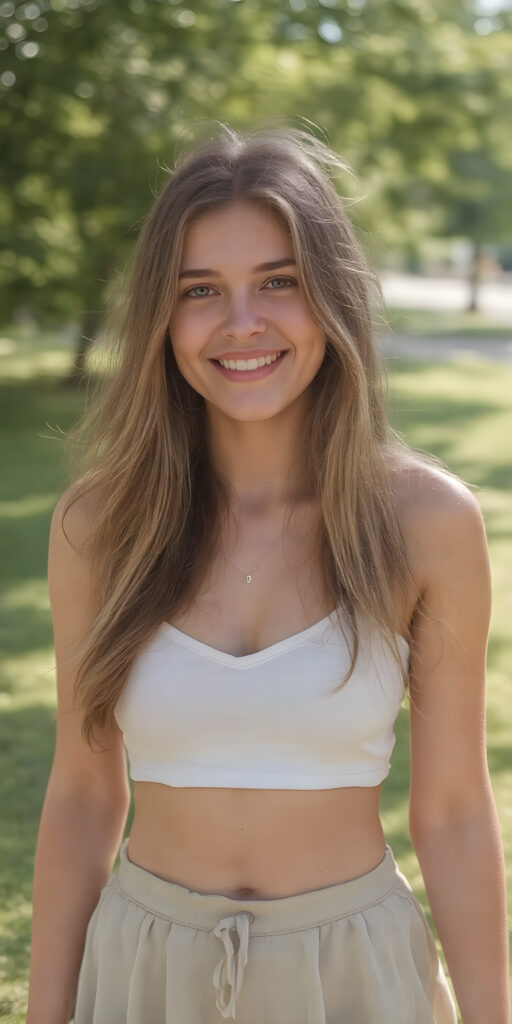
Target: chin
{"points": [[249, 414]]}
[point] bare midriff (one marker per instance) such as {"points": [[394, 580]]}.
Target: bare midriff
{"points": [[256, 843]]}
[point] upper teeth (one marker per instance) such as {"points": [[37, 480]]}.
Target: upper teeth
{"points": [[248, 364]]}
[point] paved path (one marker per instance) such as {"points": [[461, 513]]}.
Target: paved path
{"points": [[412, 291], [446, 349]]}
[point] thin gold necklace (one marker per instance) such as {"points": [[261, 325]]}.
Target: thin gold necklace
{"points": [[248, 576]]}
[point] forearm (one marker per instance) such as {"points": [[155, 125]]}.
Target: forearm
{"points": [[463, 868], [75, 853]]}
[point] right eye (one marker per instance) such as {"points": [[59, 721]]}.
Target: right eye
{"points": [[188, 293]]}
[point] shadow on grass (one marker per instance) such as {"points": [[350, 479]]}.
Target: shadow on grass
{"points": [[434, 423], [32, 418]]}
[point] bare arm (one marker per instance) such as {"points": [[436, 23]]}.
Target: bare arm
{"points": [[85, 806], [453, 820], [75, 853]]}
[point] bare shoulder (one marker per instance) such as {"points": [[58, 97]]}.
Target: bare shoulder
{"points": [[424, 489], [438, 515], [70, 574], [74, 514]]}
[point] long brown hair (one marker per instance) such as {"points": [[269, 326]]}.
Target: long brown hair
{"points": [[140, 443]]}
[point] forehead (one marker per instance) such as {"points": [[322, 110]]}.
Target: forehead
{"points": [[236, 227]]}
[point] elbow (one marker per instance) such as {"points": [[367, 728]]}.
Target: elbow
{"points": [[463, 822]]}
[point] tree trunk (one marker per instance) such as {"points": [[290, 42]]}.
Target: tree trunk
{"points": [[91, 319], [474, 280]]}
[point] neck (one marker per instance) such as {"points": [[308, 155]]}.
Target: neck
{"points": [[261, 461]]}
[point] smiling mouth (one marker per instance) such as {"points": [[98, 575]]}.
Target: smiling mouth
{"points": [[270, 358], [253, 374]]}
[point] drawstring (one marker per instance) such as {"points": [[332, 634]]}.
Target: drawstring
{"points": [[228, 971]]}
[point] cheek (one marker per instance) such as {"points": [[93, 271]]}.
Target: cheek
{"points": [[314, 340], [316, 355], [186, 338], [296, 318], [190, 326]]}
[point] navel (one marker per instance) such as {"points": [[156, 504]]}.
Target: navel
{"points": [[245, 892]]}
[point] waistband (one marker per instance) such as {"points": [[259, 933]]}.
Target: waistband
{"points": [[270, 917], [222, 915]]}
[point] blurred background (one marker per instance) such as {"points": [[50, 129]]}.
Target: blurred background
{"points": [[95, 96]]}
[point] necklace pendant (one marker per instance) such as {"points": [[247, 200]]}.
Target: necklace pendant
{"points": [[248, 579]]}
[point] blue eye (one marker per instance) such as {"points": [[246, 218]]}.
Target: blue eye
{"points": [[194, 289], [287, 280]]}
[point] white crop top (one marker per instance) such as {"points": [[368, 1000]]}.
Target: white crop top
{"points": [[195, 716]]}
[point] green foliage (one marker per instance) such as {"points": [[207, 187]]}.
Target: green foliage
{"points": [[96, 94]]}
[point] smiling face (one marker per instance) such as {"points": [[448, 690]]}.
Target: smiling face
{"points": [[239, 297]]}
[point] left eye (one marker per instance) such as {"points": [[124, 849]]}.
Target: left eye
{"points": [[287, 280]]}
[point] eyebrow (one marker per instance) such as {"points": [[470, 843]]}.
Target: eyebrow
{"points": [[272, 265]]}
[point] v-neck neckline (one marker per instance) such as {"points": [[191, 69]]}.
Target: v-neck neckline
{"points": [[247, 660]]}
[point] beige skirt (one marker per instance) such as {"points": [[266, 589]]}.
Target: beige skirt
{"points": [[360, 952]]}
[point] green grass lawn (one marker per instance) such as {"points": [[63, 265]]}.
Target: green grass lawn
{"points": [[462, 412]]}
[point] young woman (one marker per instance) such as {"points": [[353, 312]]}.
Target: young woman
{"points": [[255, 569]]}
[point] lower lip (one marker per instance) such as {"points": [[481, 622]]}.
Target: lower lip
{"points": [[241, 375]]}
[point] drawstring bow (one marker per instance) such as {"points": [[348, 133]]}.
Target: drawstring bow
{"points": [[230, 968]]}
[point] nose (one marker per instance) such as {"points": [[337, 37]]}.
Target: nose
{"points": [[243, 319]]}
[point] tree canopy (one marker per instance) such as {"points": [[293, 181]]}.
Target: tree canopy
{"points": [[95, 94]]}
